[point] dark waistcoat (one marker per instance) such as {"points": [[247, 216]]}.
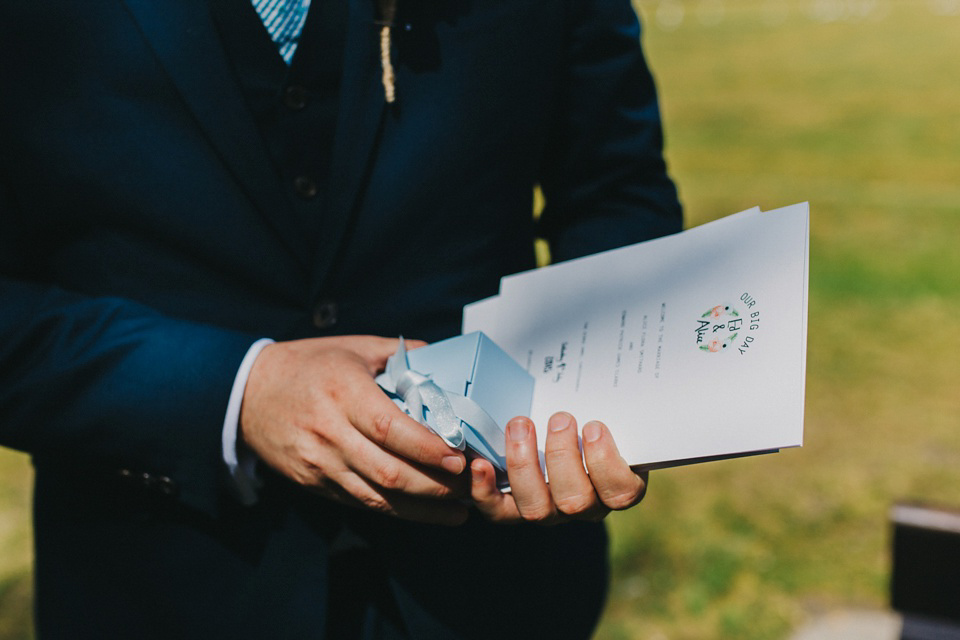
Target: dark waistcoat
{"points": [[295, 106]]}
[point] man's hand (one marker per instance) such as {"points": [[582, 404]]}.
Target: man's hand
{"points": [[312, 411], [571, 493]]}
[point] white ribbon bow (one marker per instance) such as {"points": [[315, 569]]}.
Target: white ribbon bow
{"points": [[444, 412]]}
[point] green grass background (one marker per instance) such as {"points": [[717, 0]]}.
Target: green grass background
{"points": [[854, 106]]}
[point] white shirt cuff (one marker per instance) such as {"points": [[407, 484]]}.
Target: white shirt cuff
{"points": [[241, 464]]}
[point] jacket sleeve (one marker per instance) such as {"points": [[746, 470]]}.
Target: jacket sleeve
{"points": [[107, 386], [604, 177]]}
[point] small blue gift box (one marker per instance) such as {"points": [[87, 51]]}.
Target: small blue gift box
{"points": [[470, 366]]}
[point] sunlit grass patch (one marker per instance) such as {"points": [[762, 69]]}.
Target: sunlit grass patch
{"points": [[853, 115]]}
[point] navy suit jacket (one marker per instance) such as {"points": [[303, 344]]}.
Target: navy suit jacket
{"points": [[146, 241]]}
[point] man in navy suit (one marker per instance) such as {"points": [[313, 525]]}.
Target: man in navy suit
{"points": [[199, 245]]}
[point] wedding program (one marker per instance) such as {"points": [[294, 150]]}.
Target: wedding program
{"points": [[689, 347]]}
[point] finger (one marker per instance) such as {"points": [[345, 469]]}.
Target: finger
{"points": [[615, 483], [529, 489], [573, 493], [356, 491], [386, 425], [372, 350], [342, 453], [488, 499], [395, 472]]}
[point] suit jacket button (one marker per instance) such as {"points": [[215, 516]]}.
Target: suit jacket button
{"points": [[325, 314], [295, 97], [305, 187]]}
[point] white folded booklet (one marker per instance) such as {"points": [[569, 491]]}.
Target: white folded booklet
{"points": [[688, 347]]}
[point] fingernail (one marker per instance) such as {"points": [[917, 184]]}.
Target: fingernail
{"points": [[592, 432], [518, 430], [559, 422], [453, 464]]}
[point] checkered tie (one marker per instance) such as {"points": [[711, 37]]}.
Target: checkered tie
{"points": [[284, 21]]}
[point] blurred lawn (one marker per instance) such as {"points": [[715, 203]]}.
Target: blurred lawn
{"points": [[854, 106], [16, 546]]}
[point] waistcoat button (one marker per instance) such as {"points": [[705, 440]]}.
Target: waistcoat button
{"points": [[305, 187], [295, 97], [325, 314]]}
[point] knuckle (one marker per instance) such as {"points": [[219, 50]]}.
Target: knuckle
{"points": [[323, 434], [440, 491], [574, 505], [623, 500], [337, 391], [383, 425], [537, 514], [352, 489], [457, 488], [375, 502], [554, 456], [423, 452], [304, 466], [523, 464], [389, 476], [304, 475]]}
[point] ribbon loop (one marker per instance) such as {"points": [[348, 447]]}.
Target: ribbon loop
{"points": [[426, 402], [452, 416]]}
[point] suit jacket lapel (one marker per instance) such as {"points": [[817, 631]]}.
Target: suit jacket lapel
{"points": [[186, 42], [362, 107]]}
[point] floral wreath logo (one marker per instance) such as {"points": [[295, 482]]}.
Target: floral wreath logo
{"points": [[716, 344]]}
